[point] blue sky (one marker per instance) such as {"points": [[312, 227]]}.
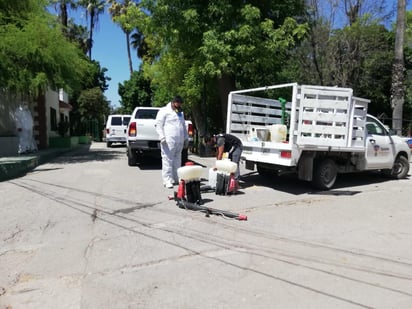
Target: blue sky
{"points": [[109, 48]]}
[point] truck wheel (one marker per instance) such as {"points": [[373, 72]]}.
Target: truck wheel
{"points": [[131, 158], [109, 144], [324, 174], [399, 170]]}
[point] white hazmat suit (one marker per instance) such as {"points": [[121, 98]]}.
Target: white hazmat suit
{"points": [[173, 135]]}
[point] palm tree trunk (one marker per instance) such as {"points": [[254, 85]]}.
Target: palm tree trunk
{"points": [[91, 34], [129, 56], [398, 70], [63, 16]]}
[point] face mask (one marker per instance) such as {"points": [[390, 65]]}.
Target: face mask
{"points": [[178, 109]]}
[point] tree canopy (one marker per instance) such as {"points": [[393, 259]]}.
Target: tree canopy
{"points": [[39, 51], [135, 92], [33, 51], [203, 50]]}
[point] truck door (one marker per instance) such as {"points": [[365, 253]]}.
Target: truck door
{"points": [[379, 145]]}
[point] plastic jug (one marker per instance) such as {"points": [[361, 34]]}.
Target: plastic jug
{"points": [[212, 178], [278, 133]]}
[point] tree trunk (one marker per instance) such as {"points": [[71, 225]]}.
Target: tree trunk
{"points": [[129, 56], [398, 70], [63, 17], [90, 45], [226, 84]]}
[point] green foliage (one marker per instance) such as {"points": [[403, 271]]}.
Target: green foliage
{"points": [[92, 104], [63, 127], [357, 56], [96, 77], [95, 81], [135, 92], [34, 54], [123, 14], [219, 38], [194, 45]]}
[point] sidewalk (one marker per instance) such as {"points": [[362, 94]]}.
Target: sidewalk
{"points": [[19, 165]]}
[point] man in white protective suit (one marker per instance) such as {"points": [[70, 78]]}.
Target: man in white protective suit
{"points": [[171, 127]]}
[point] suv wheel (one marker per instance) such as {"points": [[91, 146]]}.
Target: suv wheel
{"points": [[131, 157]]}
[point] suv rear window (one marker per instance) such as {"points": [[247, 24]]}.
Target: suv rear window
{"points": [[116, 121], [146, 113], [126, 120]]}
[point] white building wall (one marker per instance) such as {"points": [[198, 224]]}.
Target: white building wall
{"points": [[63, 96], [52, 101]]}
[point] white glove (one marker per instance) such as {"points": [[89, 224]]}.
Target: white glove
{"points": [[186, 143]]}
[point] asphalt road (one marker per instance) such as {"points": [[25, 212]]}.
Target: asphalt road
{"points": [[87, 231]]}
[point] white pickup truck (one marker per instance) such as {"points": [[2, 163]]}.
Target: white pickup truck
{"points": [[142, 138], [317, 132]]}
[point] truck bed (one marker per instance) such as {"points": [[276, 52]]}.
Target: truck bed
{"points": [[317, 118]]}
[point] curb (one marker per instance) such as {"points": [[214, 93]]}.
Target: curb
{"points": [[14, 167], [17, 167]]}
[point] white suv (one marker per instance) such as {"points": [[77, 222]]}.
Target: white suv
{"points": [[116, 127]]}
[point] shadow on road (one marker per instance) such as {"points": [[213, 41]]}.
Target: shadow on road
{"points": [[150, 162], [88, 155], [291, 184], [286, 183]]}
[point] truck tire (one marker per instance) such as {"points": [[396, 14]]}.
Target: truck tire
{"points": [[399, 170], [131, 157], [108, 144], [324, 174]]}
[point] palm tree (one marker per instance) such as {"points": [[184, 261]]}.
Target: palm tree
{"points": [[61, 7], [75, 33], [138, 43], [398, 70], [79, 35], [117, 10], [93, 9]]}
